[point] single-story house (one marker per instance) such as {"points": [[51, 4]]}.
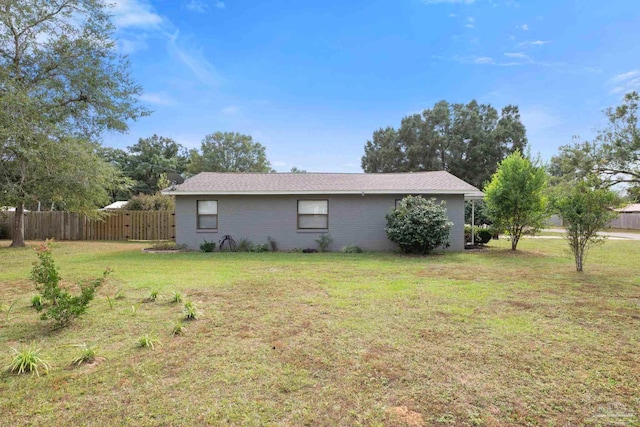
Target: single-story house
{"points": [[294, 209], [632, 208]]}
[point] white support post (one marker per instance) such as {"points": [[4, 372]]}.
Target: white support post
{"points": [[473, 221]]}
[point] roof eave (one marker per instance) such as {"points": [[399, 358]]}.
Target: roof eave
{"points": [[466, 193]]}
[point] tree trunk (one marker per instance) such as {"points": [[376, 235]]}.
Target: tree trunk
{"points": [[18, 226], [579, 258]]}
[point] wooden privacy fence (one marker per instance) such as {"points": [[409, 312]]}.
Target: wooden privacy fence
{"points": [[117, 225], [626, 220]]}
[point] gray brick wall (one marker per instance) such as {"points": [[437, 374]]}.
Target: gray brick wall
{"points": [[352, 219]]}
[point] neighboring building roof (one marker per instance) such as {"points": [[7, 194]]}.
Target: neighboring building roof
{"points": [[10, 209], [438, 182], [635, 207], [115, 205]]}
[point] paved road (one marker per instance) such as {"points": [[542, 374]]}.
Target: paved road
{"points": [[614, 235]]}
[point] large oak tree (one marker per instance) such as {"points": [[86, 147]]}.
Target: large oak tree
{"points": [[62, 83], [468, 140]]}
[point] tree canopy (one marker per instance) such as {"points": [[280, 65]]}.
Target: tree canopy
{"points": [[62, 84], [468, 140], [151, 157], [614, 154], [228, 152], [515, 198]]}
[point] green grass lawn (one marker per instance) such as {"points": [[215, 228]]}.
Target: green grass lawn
{"points": [[486, 337]]}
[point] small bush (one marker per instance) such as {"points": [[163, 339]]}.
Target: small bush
{"points": [[309, 251], [28, 360], [62, 307], [87, 354], [190, 311], [419, 225], [352, 249], [482, 234], [244, 245], [260, 248], [167, 245], [324, 241], [208, 246], [272, 243], [119, 295], [146, 341]]}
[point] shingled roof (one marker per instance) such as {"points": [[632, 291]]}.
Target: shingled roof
{"points": [[439, 182]]}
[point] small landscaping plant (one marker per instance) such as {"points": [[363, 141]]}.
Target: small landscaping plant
{"points": [[207, 246], [260, 248], [244, 245], [352, 249], [147, 341], [87, 354], [190, 311], [178, 328], [154, 295], [272, 244], [176, 297], [324, 241], [28, 360], [61, 306], [37, 302]]}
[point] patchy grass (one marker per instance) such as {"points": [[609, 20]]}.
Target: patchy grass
{"points": [[488, 337]]}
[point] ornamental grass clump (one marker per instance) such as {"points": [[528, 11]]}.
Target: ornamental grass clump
{"points": [[28, 360]]}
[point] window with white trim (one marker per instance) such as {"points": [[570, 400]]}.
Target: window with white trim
{"points": [[207, 214], [313, 214]]}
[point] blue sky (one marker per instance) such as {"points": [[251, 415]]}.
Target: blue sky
{"points": [[312, 80]]}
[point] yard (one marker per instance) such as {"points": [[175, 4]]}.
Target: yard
{"points": [[477, 338]]}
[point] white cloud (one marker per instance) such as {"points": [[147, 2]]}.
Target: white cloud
{"points": [[156, 99], [201, 6], [470, 22], [135, 13], [540, 42], [483, 60], [537, 118], [197, 6], [195, 61], [230, 110], [625, 76], [524, 27], [519, 55], [625, 82], [278, 163]]}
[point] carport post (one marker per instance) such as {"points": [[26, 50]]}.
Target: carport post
{"points": [[473, 221]]}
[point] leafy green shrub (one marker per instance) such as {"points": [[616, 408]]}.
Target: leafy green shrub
{"points": [[190, 311], [272, 243], [61, 306], [151, 202], [28, 360], [418, 225], [352, 249], [324, 241], [207, 246], [146, 341], [485, 235], [482, 234], [87, 354]]}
